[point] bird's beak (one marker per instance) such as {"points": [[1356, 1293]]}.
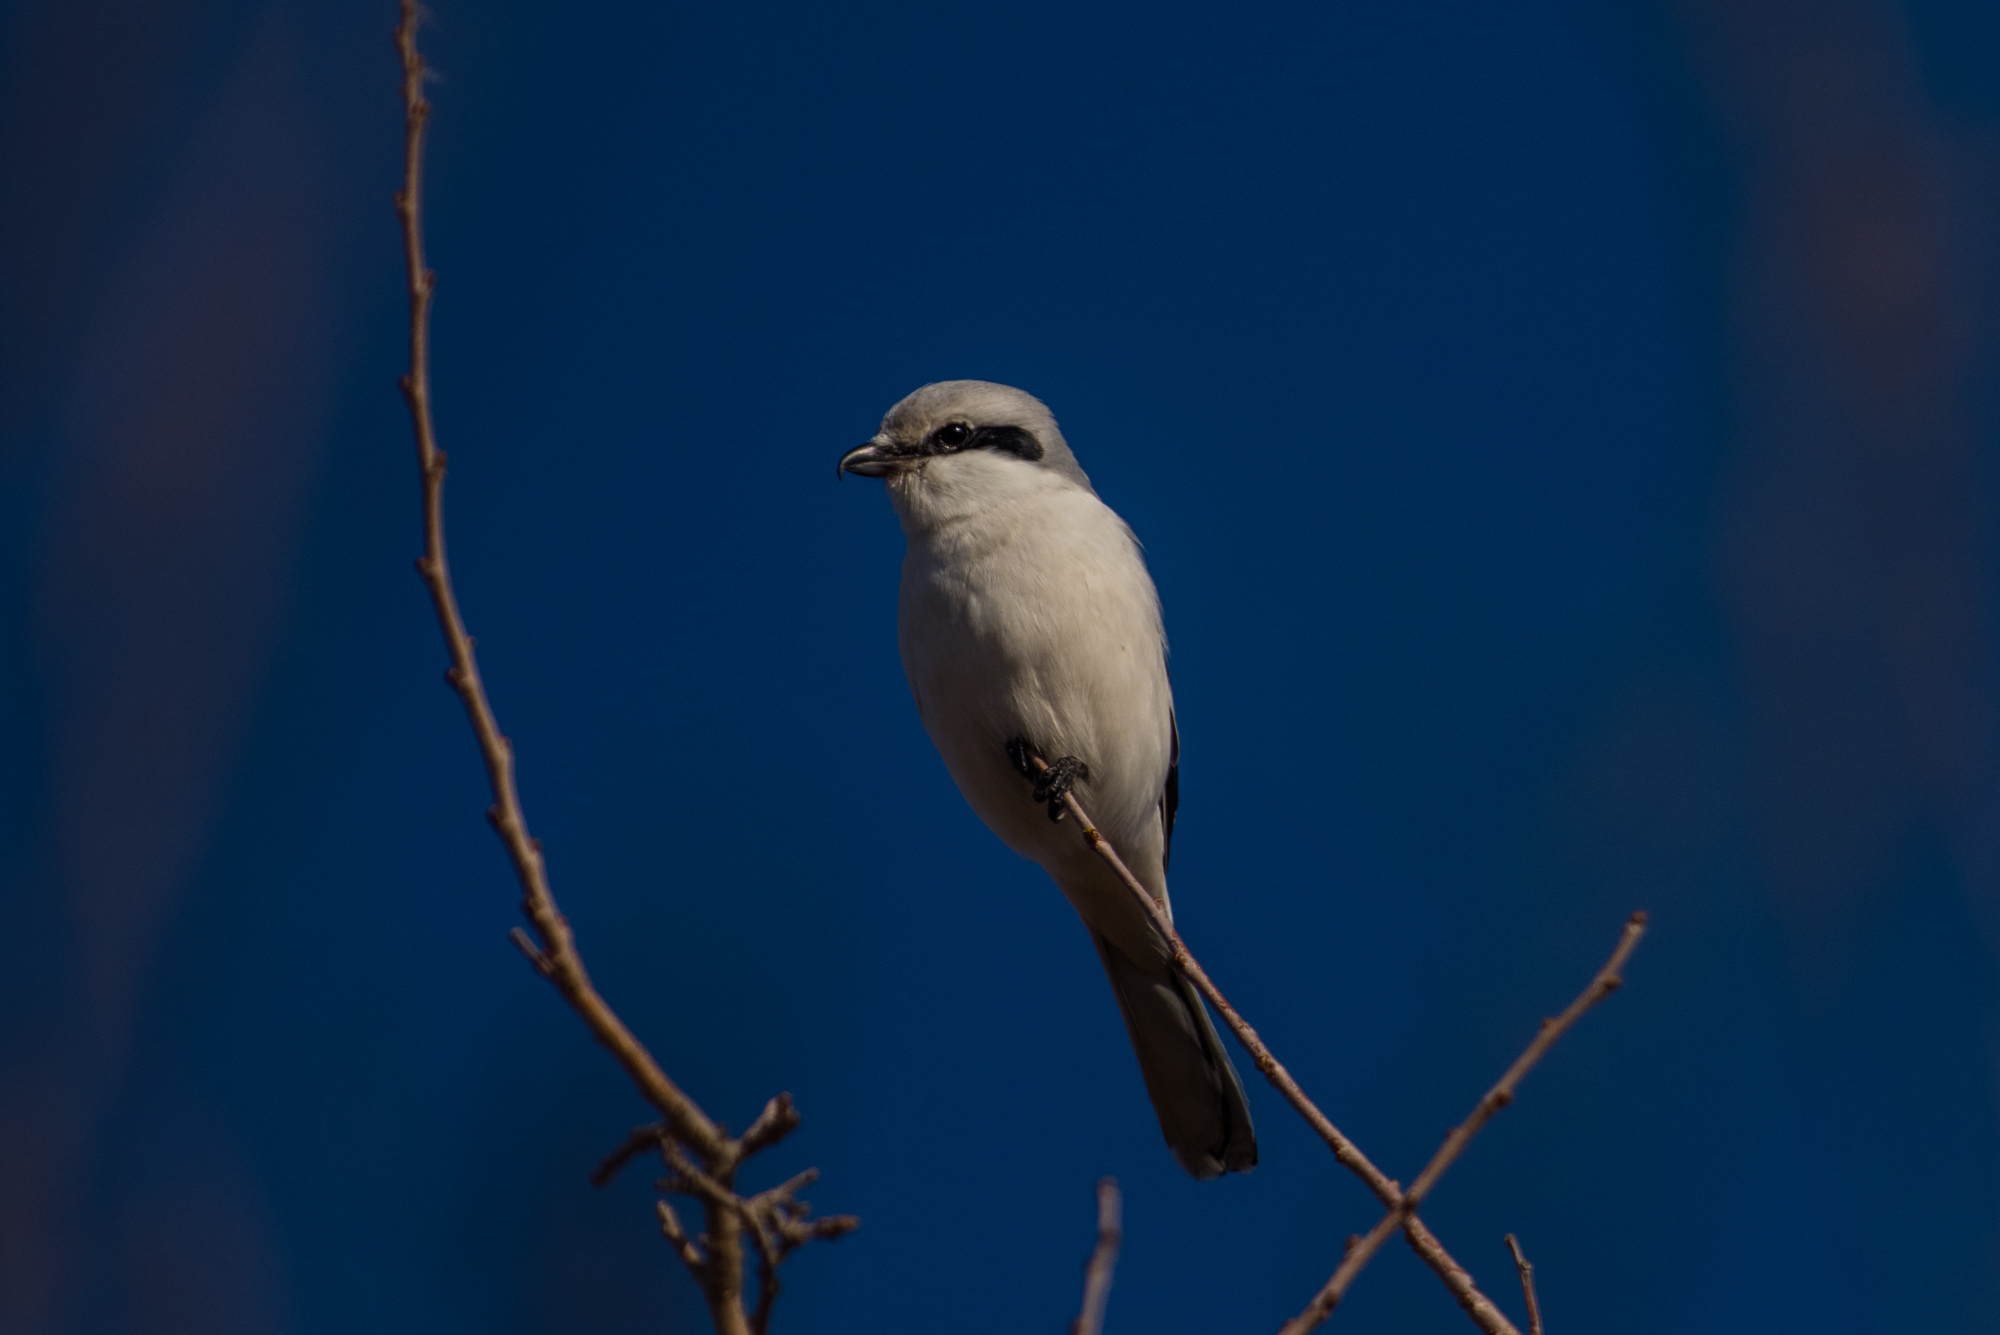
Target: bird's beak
{"points": [[871, 460]]}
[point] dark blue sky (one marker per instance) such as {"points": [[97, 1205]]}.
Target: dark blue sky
{"points": [[1566, 441]]}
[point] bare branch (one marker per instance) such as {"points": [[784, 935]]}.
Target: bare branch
{"points": [[1603, 985], [1527, 1285], [1103, 1260], [716, 1258], [562, 964]]}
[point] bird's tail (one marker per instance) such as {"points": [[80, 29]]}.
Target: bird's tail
{"points": [[1195, 1091]]}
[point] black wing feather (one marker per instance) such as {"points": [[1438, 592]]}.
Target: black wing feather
{"points": [[1170, 796]]}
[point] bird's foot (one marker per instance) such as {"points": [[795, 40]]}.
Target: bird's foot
{"points": [[1054, 782]]}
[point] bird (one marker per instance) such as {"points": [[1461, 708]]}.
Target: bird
{"points": [[1030, 628]]}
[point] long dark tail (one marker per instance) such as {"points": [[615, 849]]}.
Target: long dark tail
{"points": [[1195, 1091]]}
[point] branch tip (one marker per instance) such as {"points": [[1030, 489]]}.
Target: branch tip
{"points": [[1103, 1262], [778, 1120], [536, 955], [1527, 1273], [643, 1138]]}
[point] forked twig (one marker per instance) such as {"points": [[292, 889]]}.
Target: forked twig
{"points": [[1527, 1285], [1488, 1317], [716, 1260], [1484, 1313], [1603, 985], [1103, 1260]]}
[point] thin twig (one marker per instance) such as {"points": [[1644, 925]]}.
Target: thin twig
{"points": [[779, 1223], [716, 1258], [689, 1180], [676, 1236], [642, 1139], [1457, 1279], [1607, 981], [1603, 985], [1103, 1260], [768, 1284], [778, 1120], [1527, 1285]]}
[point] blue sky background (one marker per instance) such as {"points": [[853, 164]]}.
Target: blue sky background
{"points": [[1565, 439]]}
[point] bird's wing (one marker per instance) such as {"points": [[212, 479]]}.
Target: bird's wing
{"points": [[1170, 796]]}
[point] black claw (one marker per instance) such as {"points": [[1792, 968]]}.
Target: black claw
{"points": [[1057, 780], [1052, 781]]}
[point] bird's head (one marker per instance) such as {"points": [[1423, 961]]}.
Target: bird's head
{"points": [[957, 431]]}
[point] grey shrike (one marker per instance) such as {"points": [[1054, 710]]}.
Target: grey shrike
{"points": [[1028, 623]]}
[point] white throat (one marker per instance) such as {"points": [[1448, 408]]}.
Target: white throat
{"points": [[950, 489]]}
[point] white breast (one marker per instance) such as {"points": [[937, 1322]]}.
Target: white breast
{"points": [[1026, 610]]}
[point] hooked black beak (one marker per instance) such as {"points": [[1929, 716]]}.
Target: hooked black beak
{"points": [[870, 460]]}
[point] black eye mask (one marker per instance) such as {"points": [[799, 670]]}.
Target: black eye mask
{"points": [[955, 438]]}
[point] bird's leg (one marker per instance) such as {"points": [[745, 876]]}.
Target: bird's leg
{"points": [[1023, 756]]}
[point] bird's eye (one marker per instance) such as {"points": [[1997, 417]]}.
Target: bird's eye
{"points": [[955, 434]]}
